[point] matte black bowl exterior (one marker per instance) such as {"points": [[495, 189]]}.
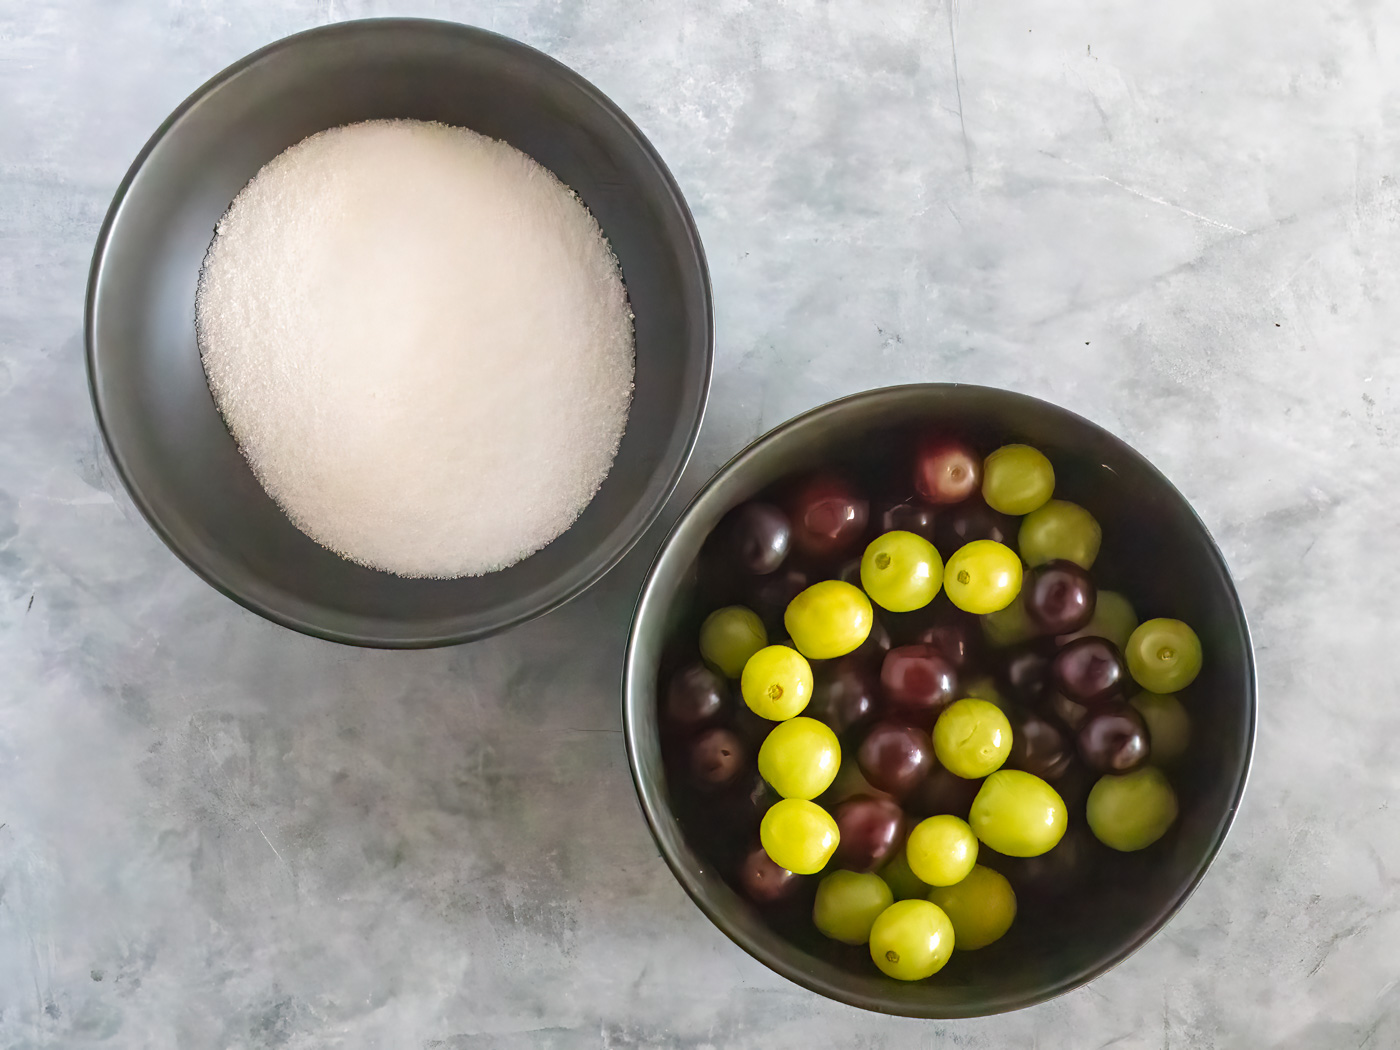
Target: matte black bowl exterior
{"points": [[153, 405], [1157, 551]]}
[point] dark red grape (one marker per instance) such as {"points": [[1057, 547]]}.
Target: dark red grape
{"points": [[1058, 597], [696, 697], [1073, 785], [1089, 670], [872, 830], [918, 682], [946, 470], [828, 517], [876, 645], [843, 693], [895, 757], [958, 639], [763, 882], [1038, 746], [1071, 712], [942, 792], [769, 595], [1025, 670], [1050, 876], [968, 521], [758, 536], [716, 758], [906, 516], [1113, 739]]}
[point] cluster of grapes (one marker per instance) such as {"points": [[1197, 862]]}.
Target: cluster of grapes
{"points": [[891, 770]]}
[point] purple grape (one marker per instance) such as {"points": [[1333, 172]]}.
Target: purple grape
{"points": [[696, 697], [1025, 670], [906, 516], [1113, 739], [758, 536], [918, 682], [1038, 746], [872, 830], [828, 517], [1058, 597], [972, 520], [943, 792], [843, 693], [1090, 670], [763, 882], [717, 757], [958, 640], [895, 757]]}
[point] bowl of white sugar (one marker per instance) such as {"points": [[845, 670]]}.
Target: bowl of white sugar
{"points": [[399, 332]]}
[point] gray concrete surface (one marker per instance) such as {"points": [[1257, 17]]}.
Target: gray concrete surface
{"points": [[1181, 221]]}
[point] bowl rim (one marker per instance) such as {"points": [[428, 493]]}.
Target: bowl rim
{"points": [[352, 27], [635, 685]]}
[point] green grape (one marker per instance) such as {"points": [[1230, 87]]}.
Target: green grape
{"points": [[911, 940], [1114, 619], [982, 577], [729, 636], [800, 758], [848, 904], [985, 688], [941, 850], [1018, 814], [1164, 656], [1132, 811], [1060, 529], [981, 907], [829, 619], [776, 683], [798, 835], [1168, 726], [1017, 479], [902, 881], [901, 571], [1008, 626], [971, 738]]}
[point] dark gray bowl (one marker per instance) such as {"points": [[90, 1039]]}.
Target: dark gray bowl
{"points": [[153, 406], [1155, 549]]}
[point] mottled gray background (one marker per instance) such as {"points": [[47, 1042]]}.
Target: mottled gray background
{"points": [[1182, 221]]}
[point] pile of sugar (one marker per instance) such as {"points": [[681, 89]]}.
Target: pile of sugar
{"points": [[420, 340]]}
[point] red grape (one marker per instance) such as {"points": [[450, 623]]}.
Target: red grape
{"points": [[843, 693], [696, 697], [872, 830], [716, 759], [918, 682], [1026, 670], [828, 517], [906, 516], [946, 470], [943, 792], [758, 535], [1113, 739], [958, 640], [1058, 597], [1038, 746], [763, 881], [972, 520], [1089, 670], [895, 757]]}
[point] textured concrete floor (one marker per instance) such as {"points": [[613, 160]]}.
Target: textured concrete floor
{"points": [[1183, 223]]}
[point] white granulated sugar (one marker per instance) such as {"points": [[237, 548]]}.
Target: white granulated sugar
{"points": [[420, 340]]}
